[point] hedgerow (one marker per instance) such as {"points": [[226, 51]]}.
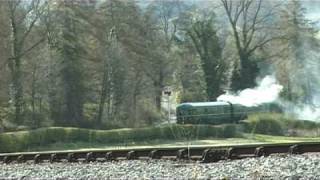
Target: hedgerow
{"points": [[24, 140]]}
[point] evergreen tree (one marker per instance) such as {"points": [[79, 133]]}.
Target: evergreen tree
{"points": [[71, 52], [205, 39]]}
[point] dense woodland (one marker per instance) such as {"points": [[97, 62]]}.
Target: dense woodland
{"points": [[105, 63]]}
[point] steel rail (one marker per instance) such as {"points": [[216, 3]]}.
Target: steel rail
{"points": [[205, 154]]}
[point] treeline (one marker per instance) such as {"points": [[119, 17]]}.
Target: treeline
{"points": [[104, 64]]}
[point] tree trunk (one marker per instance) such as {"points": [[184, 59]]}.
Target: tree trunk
{"points": [[158, 90], [17, 95], [244, 76], [33, 96], [102, 98], [134, 108], [15, 68]]}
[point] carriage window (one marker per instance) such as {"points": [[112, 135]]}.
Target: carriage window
{"points": [[226, 109], [215, 110], [192, 112]]}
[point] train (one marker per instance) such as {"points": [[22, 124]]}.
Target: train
{"points": [[218, 112]]}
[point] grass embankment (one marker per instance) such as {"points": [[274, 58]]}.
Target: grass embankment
{"points": [[45, 137], [280, 125], [258, 128]]}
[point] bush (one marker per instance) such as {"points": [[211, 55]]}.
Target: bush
{"points": [[272, 124], [276, 124], [149, 114], [24, 140], [302, 124]]}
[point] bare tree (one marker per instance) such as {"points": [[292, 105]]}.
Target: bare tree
{"points": [[22, 22], [249, 21], [105, 82], [162, 24]]}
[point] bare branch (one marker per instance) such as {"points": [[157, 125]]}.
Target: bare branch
{"points": [[13, 5], [264, 42], [253, 25], [32, 47], [29, 29], [4, 64], [245, 16], [30, 8]]}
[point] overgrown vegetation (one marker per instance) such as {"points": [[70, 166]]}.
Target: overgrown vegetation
{"points": [[280, 124], [24, 140], [264, 123]]}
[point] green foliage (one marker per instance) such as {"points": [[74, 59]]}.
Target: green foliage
{"points": [[89, 113], [192, 96], [24, 140], [6, 116], [205, 39], [268, 126], [265, 123], [301, 124], [150, 115], [31, 119], [276, 124]]}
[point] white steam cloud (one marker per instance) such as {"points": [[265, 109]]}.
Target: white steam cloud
{"points": [[307, 112], [267, 91], [301, 111]]}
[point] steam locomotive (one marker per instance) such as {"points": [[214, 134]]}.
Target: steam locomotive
{"points": [[218, 112]]}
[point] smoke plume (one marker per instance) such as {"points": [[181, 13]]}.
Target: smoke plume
{"points": [[301, 111], [267, 91]]}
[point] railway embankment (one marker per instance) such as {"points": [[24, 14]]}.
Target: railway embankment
{"points": [[281, 128], [29, 140]]}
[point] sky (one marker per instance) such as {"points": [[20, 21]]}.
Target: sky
{"points": [[313, 12], [313, 9]]}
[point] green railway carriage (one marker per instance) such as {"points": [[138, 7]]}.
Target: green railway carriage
{"points": [[204, 113], [216, 112]]}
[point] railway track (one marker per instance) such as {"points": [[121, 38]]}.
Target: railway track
{"points": [[205, 154]]}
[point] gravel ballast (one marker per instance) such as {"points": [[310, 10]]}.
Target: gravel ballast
{"points": [[306, 166]]}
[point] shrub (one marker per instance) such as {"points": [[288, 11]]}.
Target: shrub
{"points": [[24, 140], [276, 124], [301, 124], [272, 124], [149, 114]]}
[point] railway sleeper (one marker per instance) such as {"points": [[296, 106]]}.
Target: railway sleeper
{"points": [[131, 155], [90, 157], [37, 158], [183, 154], [21, 159], [214, 155], [109, 156], [295, 149], [53, 158], [230, 153], [261, 151], [7, 159], [155, 154], [71, 157]]}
